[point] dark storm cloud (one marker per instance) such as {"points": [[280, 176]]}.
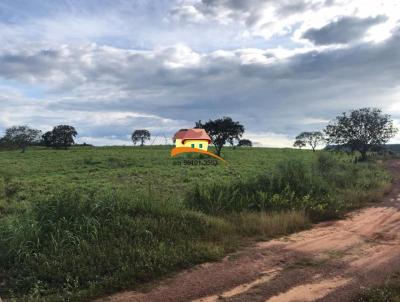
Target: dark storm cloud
{"points": [[342, 31]]}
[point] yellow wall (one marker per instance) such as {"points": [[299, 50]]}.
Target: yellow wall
{"points": [[197, 142], [178, 143]]}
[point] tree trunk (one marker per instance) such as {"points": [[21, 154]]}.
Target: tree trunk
{"points": [[218, 150], [363, 155]]}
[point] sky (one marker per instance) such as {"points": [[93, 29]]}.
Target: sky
{"points": [[108, 67]]}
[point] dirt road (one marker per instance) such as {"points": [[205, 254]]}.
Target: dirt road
{"points": [[330, 262]]}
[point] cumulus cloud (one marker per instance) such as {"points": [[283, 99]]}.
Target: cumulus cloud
{"points": [[277, 18], [175, 86]]}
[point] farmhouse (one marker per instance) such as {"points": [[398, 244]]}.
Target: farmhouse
{"points": [[192, 138]]}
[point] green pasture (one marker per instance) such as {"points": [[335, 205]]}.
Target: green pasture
{"points": [[138, 168], [80, 223]]}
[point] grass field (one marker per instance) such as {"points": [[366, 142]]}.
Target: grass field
{"points": [[132, 166], [141, 169], [82, 222]]}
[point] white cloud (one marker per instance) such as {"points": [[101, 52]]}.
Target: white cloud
{"points": [[108, 90], [276, 18], [269, 139]]}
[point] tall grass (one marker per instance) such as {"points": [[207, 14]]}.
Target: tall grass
{"points": [[268, 225], [103, 241], [327, 187]]}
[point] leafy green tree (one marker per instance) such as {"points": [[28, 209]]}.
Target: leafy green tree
{"points": [[245, 143], [21, 136], [299, 143], [222, 131], [312, 139], [361, 130], [62, 136], [141, 136], [47, 139]]}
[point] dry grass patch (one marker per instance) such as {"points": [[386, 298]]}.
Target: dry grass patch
{"points": [[269, 224]]}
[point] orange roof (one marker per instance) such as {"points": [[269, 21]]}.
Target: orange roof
{"points": [[180, 134], [192, 134], [196, 134]]}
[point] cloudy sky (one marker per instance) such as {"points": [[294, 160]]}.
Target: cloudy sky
{"points": [[279, 67]]}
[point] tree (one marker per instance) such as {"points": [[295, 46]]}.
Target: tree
{"points": [[62, 136], [47, 139], [232, 141], [245, 143], [361, 130], [312, 139], [140, 135], [299, 143], [21, 136], [221, 131]]}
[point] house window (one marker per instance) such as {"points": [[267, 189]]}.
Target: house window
{"points": [[192, 145], [200, 146]]}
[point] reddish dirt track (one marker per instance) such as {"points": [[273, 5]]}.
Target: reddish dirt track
{"points": [[333, 261]]}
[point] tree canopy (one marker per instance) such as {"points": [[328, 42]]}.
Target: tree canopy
{"points": [[21, 136], [245, 143], [222, 131], [61, 136], [361, 130], [47, 139], [141, 136], [312, 139], [299, 143]]}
